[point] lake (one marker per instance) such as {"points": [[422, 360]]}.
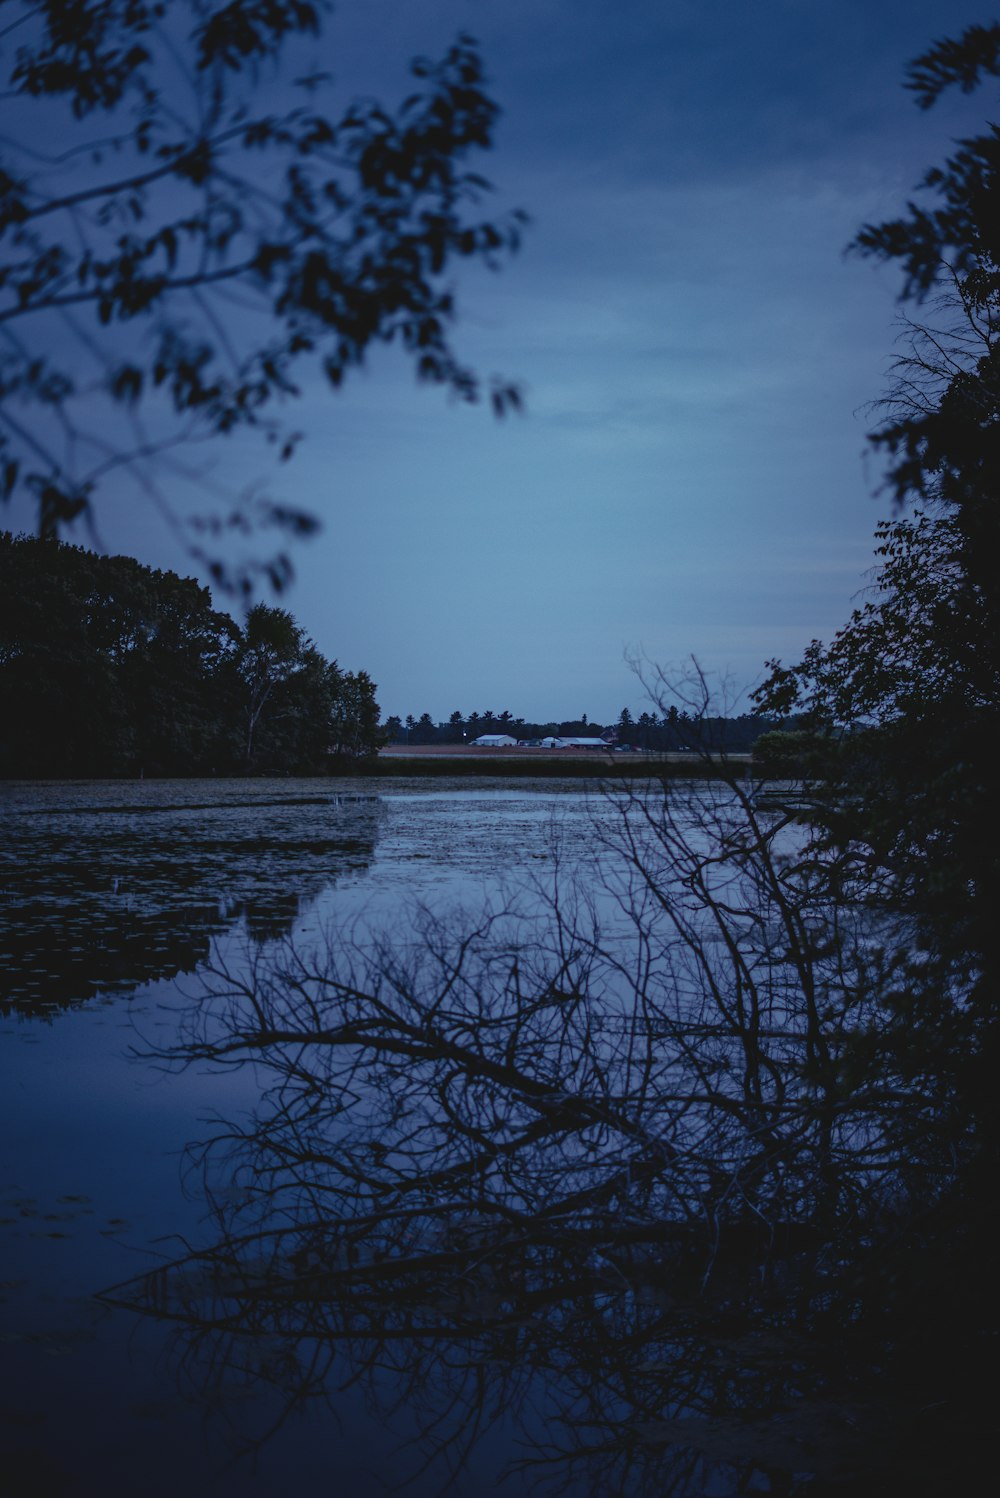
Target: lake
{"points": [[114, 895], [393, 1136]]}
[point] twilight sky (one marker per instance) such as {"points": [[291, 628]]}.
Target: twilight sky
{"points": [[690, 475]]}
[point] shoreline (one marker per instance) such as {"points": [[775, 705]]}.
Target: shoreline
{"points": [[435, 759], [459, 762]]}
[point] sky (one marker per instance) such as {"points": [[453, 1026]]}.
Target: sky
{"points": [[690, 476]]}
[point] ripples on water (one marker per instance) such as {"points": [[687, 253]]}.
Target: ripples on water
{"points": [[379, 1299], [106, 886], [112, 895]]}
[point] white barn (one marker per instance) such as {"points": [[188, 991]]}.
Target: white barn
{"points": [[578, 743]]}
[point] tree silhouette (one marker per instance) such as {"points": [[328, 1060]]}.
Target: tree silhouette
{"points": [[110, 667], [215, 234], [906, 700]]}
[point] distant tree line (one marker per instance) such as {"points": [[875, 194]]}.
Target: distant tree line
{"points": [[674, 730], [108, 667]]}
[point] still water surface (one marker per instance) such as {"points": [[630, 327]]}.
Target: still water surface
{"points": [[112, 897]]}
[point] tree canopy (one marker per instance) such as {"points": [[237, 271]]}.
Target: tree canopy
{"points": [[109, 667], [905, 708], [218, 230], [909, 688]]}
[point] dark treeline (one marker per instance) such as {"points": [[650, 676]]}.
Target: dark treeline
{"points": [[108, 667], [674, 730]]}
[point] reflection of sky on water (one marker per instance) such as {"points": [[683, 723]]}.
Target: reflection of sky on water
{"points": [[462, 848], [90, 1193]]}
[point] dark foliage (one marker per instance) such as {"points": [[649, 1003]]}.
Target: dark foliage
{"points": [[961, 229], [909, 688], [903, 710], [111, 668], [216, 234]]}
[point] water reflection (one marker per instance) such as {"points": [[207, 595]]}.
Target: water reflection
{"points": [[582, 1191], [601, 1182], [603, 1376], [106, 889]]}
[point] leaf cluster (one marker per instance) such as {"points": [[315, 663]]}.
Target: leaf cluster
{"points": [[210, 241], [963, 233], [905, 700]]}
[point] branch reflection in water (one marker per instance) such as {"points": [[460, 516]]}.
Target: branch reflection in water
{"points": [[593, 1160]]}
